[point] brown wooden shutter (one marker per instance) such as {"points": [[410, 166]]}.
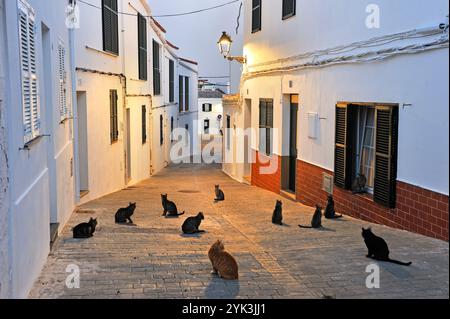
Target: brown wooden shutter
{"points": [[386, 148], [344, 141]]}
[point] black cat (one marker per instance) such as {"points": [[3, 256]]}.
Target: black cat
{"points": [[359, 185], [220, 196], [191, 224], [378, 248], [277, 217], [170, 209], [124, 214], [316, 221], [85, 230], [330, 213]]}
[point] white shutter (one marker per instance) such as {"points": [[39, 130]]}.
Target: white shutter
{"points": [[30, 96], [62, 82]]}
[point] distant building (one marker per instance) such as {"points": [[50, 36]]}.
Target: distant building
{"points": [[210, 111], [332, 96]]}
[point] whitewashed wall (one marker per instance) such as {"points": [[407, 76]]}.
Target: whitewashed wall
{"points": [[4, 184], [217, 109], [191, 70], [37, 195], [420, 80]]}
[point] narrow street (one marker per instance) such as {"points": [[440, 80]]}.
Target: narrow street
{"points": [[154, 260]]}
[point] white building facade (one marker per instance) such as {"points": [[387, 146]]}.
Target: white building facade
{"points": [[36, 140], [56, 152], [351, 89], [210, 111]]}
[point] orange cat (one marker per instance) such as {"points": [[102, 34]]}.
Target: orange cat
{"points": [[223, 263]]}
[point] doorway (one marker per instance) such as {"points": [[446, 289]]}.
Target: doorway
{"points": [[248, 152], [83, 143], [128, 123], [289, 163]]}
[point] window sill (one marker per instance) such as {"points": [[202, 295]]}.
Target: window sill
{"points": [[29, 144], [289, 16], [111, 54]]}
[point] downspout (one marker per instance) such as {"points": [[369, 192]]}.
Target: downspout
{"points": [[73, 79]]}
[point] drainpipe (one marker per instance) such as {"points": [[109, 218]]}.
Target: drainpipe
{"points": [[73, 79]]}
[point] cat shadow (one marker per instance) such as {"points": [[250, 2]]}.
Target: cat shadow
{"points": [[127, 224], [196, 235], [342, 219], [283, 225], [398, 271], [326, 229], [219, 288]]}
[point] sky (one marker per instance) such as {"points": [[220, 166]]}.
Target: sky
{"points": [[197, 35]]}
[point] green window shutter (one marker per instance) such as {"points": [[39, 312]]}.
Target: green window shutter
{"points": [[256, 15], [289, 8], [161, 129], [186, 93], [171, 81], [386, 148], [110, 23], [144, 124], [156, 69], [142, 46], [181, 96], [114, 123]]}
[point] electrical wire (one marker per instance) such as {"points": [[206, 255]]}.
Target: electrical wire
{"points": [[164, 15]]}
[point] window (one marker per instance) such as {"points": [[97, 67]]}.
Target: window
{"points": [[366, 144], [110, 26], [207, 107], [63, 111], [228, 132], [30, 97], [289, 8], [186, 127], [142, 47], [156, 69], [256, 16], [186, 93], [171, 81], [206, 126], [365, 150], [265, 125], [171, 128], [161, 130], [181, 93], [114, 127], [144, 124]]}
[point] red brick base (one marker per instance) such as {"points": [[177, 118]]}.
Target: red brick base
{"points": [[270, 182], [418, 210]]}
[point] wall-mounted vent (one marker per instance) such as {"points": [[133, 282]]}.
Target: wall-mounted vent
{"points": [[291, 84], [327, 183]]}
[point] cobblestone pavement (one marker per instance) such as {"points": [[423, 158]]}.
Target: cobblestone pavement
{"points": [[154, 260]]}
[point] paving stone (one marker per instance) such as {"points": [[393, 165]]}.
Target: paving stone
{"points": [[154, 260]]}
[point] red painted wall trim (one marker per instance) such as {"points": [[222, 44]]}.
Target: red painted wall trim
{"points": [[418, 210]]}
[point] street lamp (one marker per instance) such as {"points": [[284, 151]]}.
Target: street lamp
{"points": [[224, 43]]}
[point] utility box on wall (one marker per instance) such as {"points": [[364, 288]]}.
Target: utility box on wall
{"points": [[313, 123]]}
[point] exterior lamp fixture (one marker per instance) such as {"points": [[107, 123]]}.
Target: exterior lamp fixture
{"points": [[224, 43]]}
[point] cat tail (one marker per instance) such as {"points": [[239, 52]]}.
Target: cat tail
{"points": [[301, 226], [338, 216], [399, 262], [181, 213]]}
